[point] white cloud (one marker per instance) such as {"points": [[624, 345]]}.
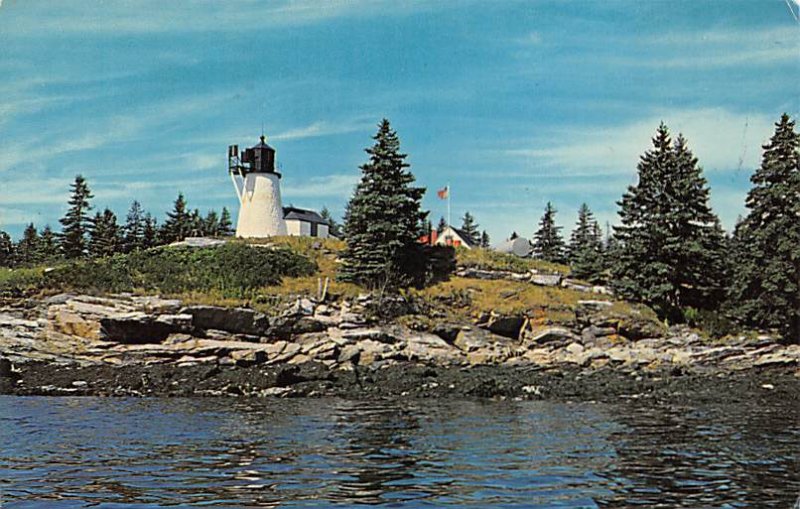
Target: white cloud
{"points": [[156, 16], [721, 139], [321, 128], [334, 186]]}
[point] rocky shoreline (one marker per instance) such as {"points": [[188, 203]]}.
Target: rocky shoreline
{"points": [[127, 345]]}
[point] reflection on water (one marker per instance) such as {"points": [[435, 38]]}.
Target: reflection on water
{"points": [[74, 452]]}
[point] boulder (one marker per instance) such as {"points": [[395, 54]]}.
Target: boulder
{"points": [[507, 326], [236, 320], [473, 338], [6, 369], [545, 279], [135, 328], [447, 331], [543, 335]]}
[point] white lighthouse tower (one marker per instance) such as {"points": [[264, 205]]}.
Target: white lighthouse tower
{"points": [[258, 188]]}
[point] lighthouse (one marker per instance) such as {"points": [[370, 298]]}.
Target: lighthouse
{"points": [[258, 188]]}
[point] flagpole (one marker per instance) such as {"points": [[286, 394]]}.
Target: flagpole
{"points": [[448, 203]]}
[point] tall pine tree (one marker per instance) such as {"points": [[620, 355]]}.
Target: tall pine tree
{"points": [[548, 244], [585, 251], [470, 229], [28, 250], [133, 231], [225, 225], [384, 220], [105, 237], [6, 250], [178, 224], [150, 234], [766, 268], [669, 248], [48, 245], [76, 222]]}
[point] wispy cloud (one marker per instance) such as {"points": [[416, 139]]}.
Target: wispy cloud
{"points": [[333, 186], [721, 139], [155, 16], [322, 128]]}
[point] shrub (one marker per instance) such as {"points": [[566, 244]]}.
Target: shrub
{"points": [[234, 270]]}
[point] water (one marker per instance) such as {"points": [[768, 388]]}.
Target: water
{"points": [[81, 452]]}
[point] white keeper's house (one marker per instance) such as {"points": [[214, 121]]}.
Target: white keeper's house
{"points": [[258, 187]]}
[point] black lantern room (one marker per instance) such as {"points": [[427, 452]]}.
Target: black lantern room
{"points": [[258, 159]]}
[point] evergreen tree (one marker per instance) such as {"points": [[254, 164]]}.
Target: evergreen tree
{"points": [[513, 236], [48, 245], [150, 234], [670, 244], [766, 267], [225, 225], [548, 244], [441, 225], [76, 222], [133, 232], [178, 224], [28, 250], [333, 227], [470, 229], [211, 224], [585, 251], [485, 240], [384, 219], [197, 225], [105, 236], [6, 250]]}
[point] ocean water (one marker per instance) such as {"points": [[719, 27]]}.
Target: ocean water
{"points": [[137, 453]]}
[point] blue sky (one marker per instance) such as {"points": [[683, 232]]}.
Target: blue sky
{"points": [[513, 103]]}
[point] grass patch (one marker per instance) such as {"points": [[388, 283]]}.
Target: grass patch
{"points": [[492, 260], [467, 298]]}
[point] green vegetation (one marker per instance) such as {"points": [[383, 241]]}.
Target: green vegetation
{"points": [[670, 246], [766, 276], [548, 244], [586, 251], [384, 221], [234, 270], [492, 260]]}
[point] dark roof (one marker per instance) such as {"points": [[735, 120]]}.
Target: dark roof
{"points": [[263, 144], [464, 237], [306, 215]]}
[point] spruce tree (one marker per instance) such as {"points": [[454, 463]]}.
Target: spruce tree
{"points": [[585, 251], [441, 225], [384, 220], [133, 232], [6, 250], [76, 222], [197, 225], [211, 224], [105, 237], [225, 225], [28, 250], [485, 240], [178, 224], [766, 267], [48, 245], [470, 229], [669, 251], [548, 244], [150, 234], [333, 226]]}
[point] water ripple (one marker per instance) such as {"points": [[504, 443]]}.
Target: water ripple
{"points": [[78, 452]]}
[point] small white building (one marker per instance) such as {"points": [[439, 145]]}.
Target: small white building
{"points": [[305, 223], [518, 246]]}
